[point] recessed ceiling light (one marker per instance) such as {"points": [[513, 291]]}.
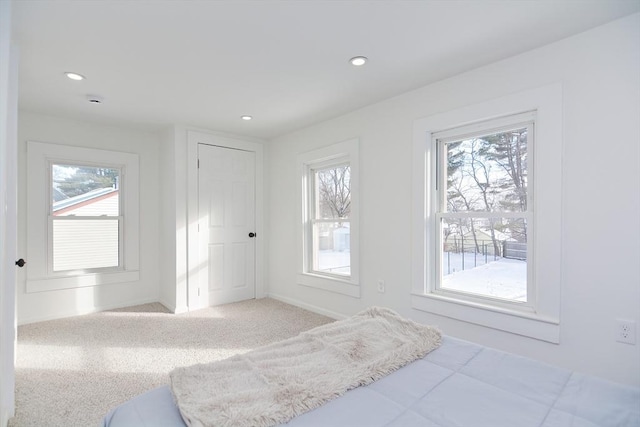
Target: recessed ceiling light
{"points": [[358, 61], [74, 76], [246, 118]]}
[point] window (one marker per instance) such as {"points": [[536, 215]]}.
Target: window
{"points": [[329, 206], [82, 217], [85, 221], [329, 225], [487, 215], [483, 210]]}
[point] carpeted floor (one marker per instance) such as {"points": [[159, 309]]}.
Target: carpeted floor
{"points": [[70, 372]]}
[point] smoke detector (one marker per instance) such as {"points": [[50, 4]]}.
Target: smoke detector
{"points": [[95, 99]]}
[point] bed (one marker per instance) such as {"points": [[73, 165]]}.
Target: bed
{"points": [[457, 384]]}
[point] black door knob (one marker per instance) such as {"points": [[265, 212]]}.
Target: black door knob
{"points": [[20, 262], [252, 234]]}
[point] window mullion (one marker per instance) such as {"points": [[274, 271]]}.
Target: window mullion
{"points": [[487, 215], [97, 217]]}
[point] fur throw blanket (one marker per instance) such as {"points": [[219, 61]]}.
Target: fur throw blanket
{"points": [[273, 384]]}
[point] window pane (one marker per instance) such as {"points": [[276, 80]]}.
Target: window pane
{"points": [[333, 192], [486, 257], [84, 191], [332, 248], [84, 244], [488, 173]]}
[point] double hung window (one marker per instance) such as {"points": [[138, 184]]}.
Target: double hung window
{"points": [[484, 210], [82, 217], [85, 218], [328, 236], [487, 213], [329, 218]]}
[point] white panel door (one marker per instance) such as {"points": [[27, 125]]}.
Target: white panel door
{"points": [[226, 222]]}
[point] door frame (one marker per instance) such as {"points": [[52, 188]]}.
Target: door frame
{"points": [[195, 301], [9, 56]]}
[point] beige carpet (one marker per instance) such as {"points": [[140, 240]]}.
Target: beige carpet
{"points": [[70, 372]]}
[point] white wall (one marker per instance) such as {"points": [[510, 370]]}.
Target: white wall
{"points": [[600, 74], [48, 305], [173, 263], [167, 291]]}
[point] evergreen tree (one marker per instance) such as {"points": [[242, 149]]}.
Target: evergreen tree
{"points": [[508, 150], [77, 180]]}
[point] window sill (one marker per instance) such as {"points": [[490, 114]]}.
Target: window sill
{"points": [[344, 287], [81, 281], [523, 323]]}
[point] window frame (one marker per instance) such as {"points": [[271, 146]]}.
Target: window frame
{"points": [[40, 275], [334, 155], [439, 192], [542, 322]]}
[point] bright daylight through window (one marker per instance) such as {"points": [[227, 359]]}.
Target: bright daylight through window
{"points": [[328, 237], [85, 218], [330, 209], [483, 211]]}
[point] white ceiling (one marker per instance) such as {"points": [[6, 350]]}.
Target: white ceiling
{"points": [[206, 63]]}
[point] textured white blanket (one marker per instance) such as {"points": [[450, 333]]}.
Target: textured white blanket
{"points": [[273, 384]]}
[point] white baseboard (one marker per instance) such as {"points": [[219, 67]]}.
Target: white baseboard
{"points": [[5, 415], [310, 307], [181, 309], [166, 305], [173, 308], [87, 311]]}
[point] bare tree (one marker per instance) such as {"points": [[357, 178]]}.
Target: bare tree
{"points": [[460, 199], [334, 187], [489, 174], [481, 175]]}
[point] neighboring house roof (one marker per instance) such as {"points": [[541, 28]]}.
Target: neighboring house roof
{"points": [[58, 195], [76, 202]]}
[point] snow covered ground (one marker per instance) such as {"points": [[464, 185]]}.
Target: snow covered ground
{"points": [[488, 276], [334, 262], [503, 278], [454, 261]]}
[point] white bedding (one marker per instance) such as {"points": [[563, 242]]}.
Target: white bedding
{"points": [[273, 384], [459, 384]]}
